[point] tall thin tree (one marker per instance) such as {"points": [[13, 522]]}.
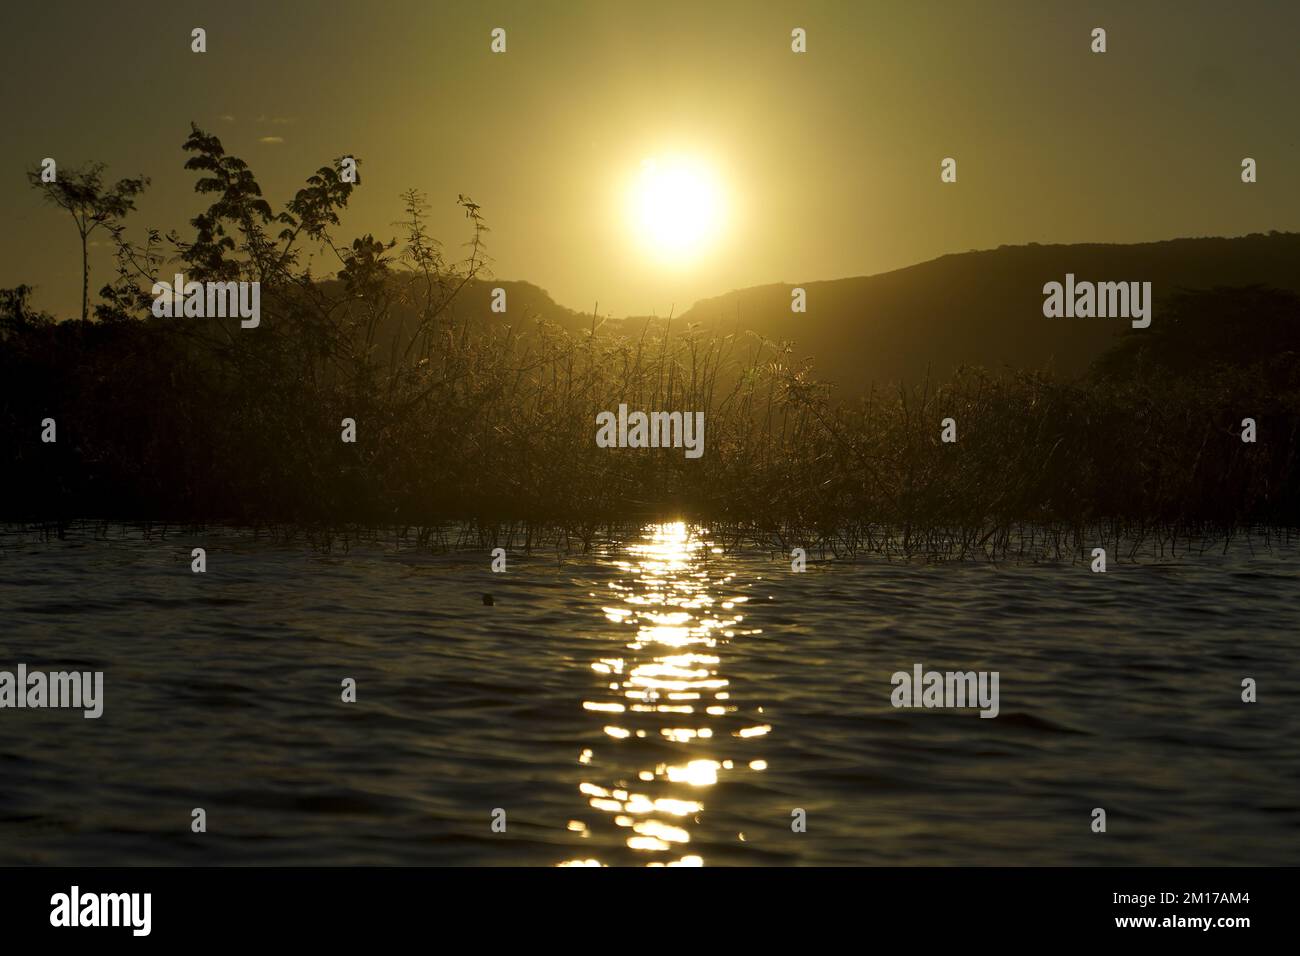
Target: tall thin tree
{"points": [[81, 191]]}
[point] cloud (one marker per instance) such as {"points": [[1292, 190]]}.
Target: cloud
{"points": [[226, 117], [277, 120], [272, 140]]}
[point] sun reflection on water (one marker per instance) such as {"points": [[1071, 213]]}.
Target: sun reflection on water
{"points": [[668, 727]]}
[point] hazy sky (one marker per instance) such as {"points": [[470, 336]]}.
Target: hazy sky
{"points": [[829, 160]]}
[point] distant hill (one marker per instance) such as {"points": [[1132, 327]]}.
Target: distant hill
{"points": [[470, 308], [525, 303], [971, 308], [985, 307]]}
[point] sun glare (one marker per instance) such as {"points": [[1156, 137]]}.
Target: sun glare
{"points": [[676, 208]]}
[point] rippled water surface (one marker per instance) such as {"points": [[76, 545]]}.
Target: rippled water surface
{"points": [[659, 702]]}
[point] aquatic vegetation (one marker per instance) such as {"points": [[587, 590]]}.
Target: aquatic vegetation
{"points": [[492, 425]]}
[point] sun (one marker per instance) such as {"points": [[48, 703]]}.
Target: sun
{"points": [[676, 208]]}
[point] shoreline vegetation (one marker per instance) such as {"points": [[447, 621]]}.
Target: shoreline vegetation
{"points": [[1017, 544], [489, 427]]}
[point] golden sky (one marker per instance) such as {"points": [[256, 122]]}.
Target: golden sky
{"points": [[827, 162]]}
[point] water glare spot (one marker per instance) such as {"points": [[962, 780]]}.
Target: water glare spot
{"points": [[668, 617]]}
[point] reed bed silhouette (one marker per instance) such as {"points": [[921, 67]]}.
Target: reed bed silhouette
{"points": [[472, 431]]}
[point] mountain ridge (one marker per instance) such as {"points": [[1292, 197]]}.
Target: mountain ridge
{"points": [[979, 307]]}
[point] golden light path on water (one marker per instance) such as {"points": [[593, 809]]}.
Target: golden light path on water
{"points": [[670, 727]]}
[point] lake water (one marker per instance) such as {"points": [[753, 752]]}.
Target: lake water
{"points": [[657, 702]]}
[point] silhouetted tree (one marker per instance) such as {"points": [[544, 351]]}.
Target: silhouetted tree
{"points": [[81, 192]]}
